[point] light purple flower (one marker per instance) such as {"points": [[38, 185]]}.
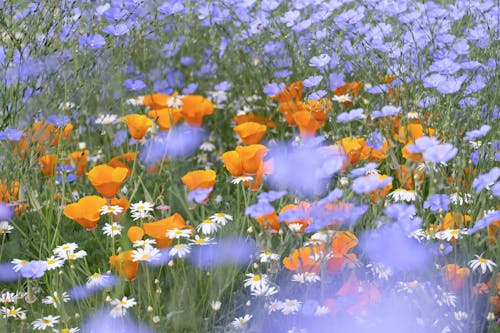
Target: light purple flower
{"points": [[440, 153]]}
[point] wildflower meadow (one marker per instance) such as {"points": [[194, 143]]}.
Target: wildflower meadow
{"points": [[249, 166]]}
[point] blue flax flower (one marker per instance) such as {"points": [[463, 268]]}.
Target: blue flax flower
{"points": [[437, 202], [440, 153], [486, 179]]}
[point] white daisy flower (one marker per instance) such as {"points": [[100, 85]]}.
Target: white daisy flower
{"points": [[8, 297], [299, 277], [18, 264], [98, 280], [221, 218], [208, 227], [274, 305], [321, 310], [5, 227], [140, 210], [64, 249], [202, 240], [180, 250], [115, 210], [450, 234], [264, 290], [45, 322], [55, 299], [460, 198], [177, 233], [147, 253], [112, 229], [268, 256], [207, 146], [240, 179], [311, 277], [342, 98], [121, 306], [12, 312], [241, 321], [295, 227], [144, 242], [175, 101], [106, 119], [75, 255], [290, 306], [482, 263], [53, 262], [256, 281], [402, 195]]}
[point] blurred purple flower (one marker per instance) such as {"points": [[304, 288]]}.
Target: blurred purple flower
{"points": [[440, 153], [259, 209], [312, 81], [116, 30], [354, 114], [101, 322], [363, 171], [444, 66], [332, 196], [11, 134], [7, 273], [451, 85], [315, 164], [199, 195], [484, 222], [437, 202], [376, 140], [273, 88], [495, 189], [85, 290], [179, 142], [34, 269], [422, 143], [320, 61], [387, 111], [92, 42], [227, 251], [397, 211], [316, 95], [270, 196], [391, 246], [369, 184], [222, 86], [479, 133], [336, 80], [6, 212], [486, 179], [57, 120], [115, 14], [134, 85]]}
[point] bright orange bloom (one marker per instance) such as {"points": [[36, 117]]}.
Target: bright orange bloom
{"points": [[233, 163], [250, 117], [158, 230], [319, 109], [199, 179], [8, 193], [406, 176], [166, 117], [269, 221], [492, 231], [86, 211], [138, 125], [289, 108], [342, 242], [454, 220], [359, 294], [250, 133], [106, 179], [251, 157], [293, 92], [124, 264], [119, 161], [381, 193], [301, 259], [48, 163], [135, 233], [303, 206], [194, 108], [308, 126], [455, 276], [78, 160], [349, 88], [353, 148], [156, 101]]}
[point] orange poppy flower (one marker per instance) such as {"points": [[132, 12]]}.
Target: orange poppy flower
{"points": [[406, 176], [269, 221], [359, 294], [233, 163], [78, 160], [454, 220], [119, 161], [319, 109], [308, 126], [492, 231], [251, 157], [156, 101], [199, 179], [352, 148], [8, 193], [166, 117], [349, 88], [135, 233], [250, 117], [124, 264], [158, 230], [293, 92], [194, 108], [86, 211], [455, 276], [414, 157], [138, 125], [250, 133], [303, 206], [48, 163], [106, 179], [123, 203], [301, 259], [381, 193]]}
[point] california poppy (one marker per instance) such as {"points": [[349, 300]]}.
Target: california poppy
{"points": [[138, 125], [250, 117], [199, 179], [106, 179], [135, 233], [455, 276], [303, 259], [166, 117], [194, 108], [124, 264], [349, 88], [158, 230], [156, 101], [308, 126], [85, 211], [269, 221], [121, 161], [78, 160], [48, 163], [8, 193], [250, 133]]}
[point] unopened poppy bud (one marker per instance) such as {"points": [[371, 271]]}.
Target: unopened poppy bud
{"points": [[77, 315], [158, 291], [108, 299], [150, 309], [156, 319], [250, 230], [170, 263]]}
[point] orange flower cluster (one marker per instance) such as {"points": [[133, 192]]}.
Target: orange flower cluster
{"points": [[247, 161]]}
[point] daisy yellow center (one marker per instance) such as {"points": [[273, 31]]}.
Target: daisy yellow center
{"points": [[13, 312], [46, 321], [178, 246], [454, 232], [207, 221], [200, 241], [256, 278], [114, 228], [268, 253], [140, 207], [96, 275], [51, 262], [178, 232], [71, 256], [482, 260], [145, 256], [219, 214]]}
